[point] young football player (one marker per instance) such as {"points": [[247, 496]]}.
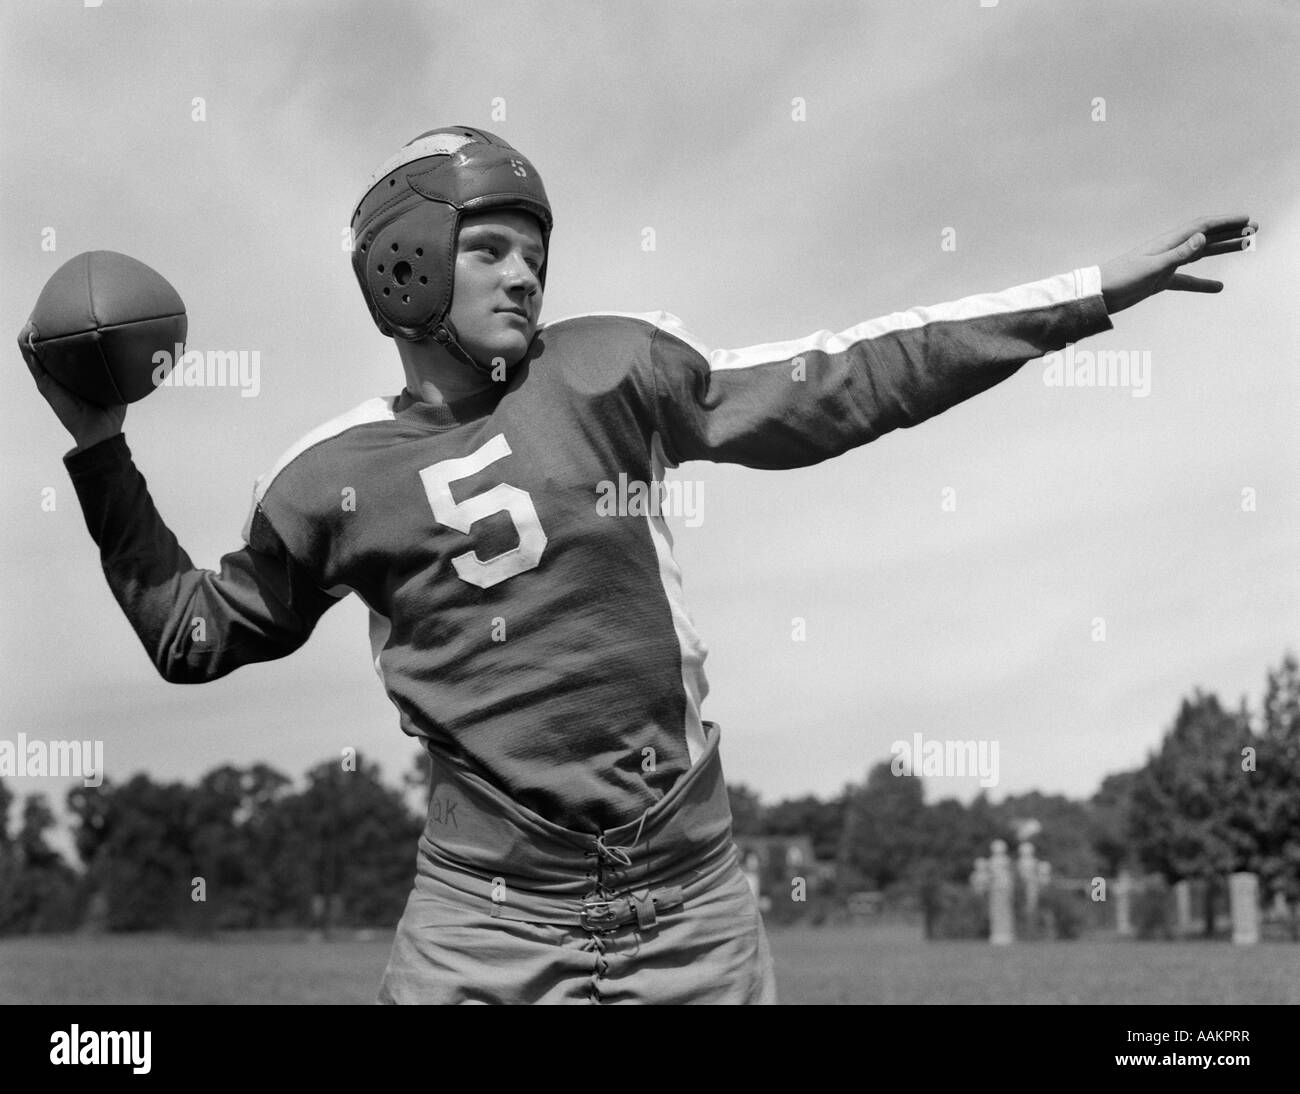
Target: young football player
{"points": [[578, 842]]}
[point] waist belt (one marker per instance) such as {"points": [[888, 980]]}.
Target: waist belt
{"points": [[479, 845], [599, 916]]}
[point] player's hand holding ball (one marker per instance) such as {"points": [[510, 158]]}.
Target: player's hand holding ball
{"points": [[91, 342], [89, 423]]}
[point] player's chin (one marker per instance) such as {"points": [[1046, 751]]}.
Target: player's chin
{"points": [[507, 341]]}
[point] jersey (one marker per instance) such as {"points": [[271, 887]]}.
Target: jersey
{"points": [[522, 628]]}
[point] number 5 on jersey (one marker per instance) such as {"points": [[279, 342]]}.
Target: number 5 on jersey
{"points": [[502, 498]]}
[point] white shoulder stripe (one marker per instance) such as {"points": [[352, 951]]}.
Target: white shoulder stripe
{"points": [[690, 648], [372, 410], [377, 409], [1051, 291]]}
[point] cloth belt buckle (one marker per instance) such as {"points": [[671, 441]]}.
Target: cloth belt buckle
{"points": [[600, 916]]}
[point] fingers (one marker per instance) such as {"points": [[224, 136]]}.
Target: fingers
{"points": [[45, 383], [1234, 232], [1187, 283], [1224, 247], [1216, 229], [1232, 224], [1218, 241], [1187, 251], [26, 337], [43, 379]]}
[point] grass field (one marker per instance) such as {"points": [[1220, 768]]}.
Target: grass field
{"points": [[823, 965]]}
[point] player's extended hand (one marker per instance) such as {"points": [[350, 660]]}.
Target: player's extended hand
{"points": [[89, 423], [1153, 267]]}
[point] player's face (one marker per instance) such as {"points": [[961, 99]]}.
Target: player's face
{"points": [[497, 296]]}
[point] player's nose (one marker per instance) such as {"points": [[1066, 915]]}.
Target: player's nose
{"points": [[518, 274]]}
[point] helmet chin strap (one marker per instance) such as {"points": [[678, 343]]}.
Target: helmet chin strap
{"points": [[445, 335]]}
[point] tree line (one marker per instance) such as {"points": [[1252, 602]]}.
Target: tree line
{"points": [[244, 848], [1220, 794], [240, 849]]}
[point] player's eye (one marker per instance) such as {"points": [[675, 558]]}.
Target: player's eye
{"points": [[480, 246]]}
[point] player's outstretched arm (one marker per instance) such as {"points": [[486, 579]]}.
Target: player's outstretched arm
{"points": [[794, 403], [195, 624], [1153, 267]]}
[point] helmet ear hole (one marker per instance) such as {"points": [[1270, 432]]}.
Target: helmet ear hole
{"points": [[410, 288]]}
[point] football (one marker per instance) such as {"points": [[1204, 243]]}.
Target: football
{"points": [[101, 323]]}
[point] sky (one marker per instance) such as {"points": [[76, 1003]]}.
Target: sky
{"points": [[801, 167]]}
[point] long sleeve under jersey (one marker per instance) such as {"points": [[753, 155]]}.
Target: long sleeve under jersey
{"points": [[519, 626]]}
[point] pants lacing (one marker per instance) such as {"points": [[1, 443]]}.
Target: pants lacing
{"points": [[608, 866]]}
